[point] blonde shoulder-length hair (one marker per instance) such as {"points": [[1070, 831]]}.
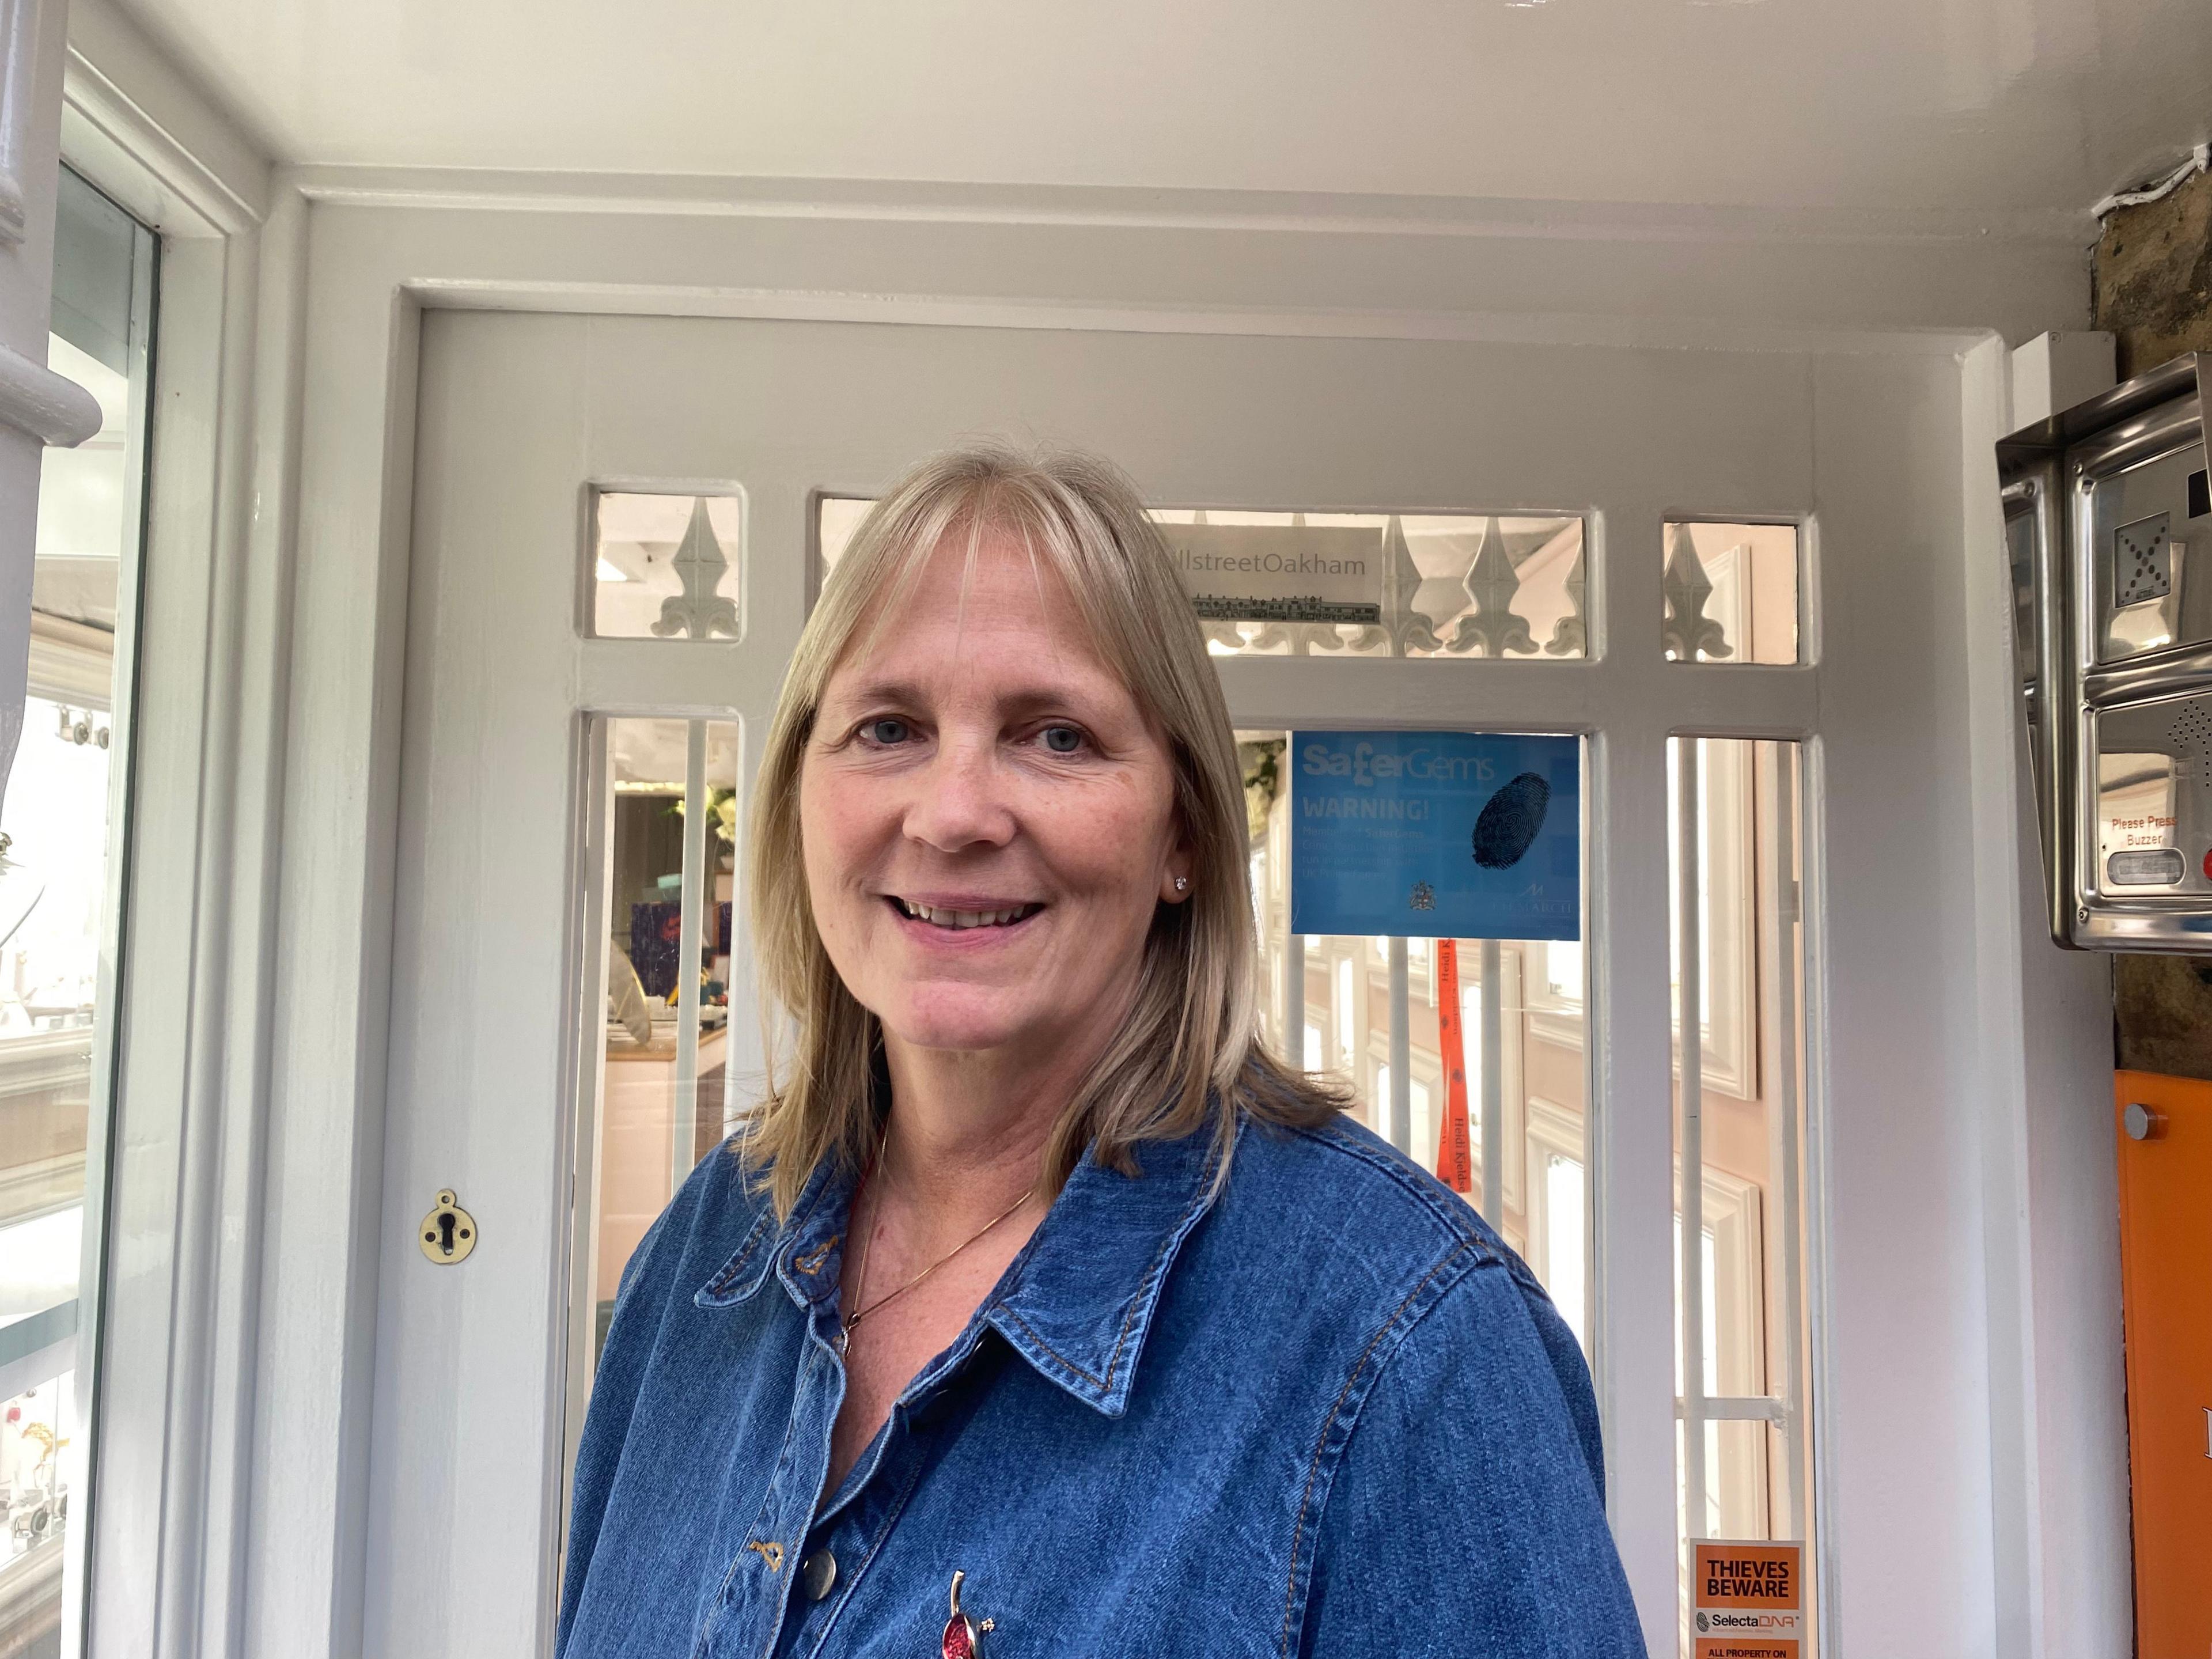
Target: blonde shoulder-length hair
{"points": [[1190, 1051]]}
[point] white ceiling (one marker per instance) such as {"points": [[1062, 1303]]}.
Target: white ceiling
{"points": [[1981, 105]]}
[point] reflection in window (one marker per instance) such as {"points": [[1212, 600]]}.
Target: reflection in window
{"points": [[1731, 592], [1359, 584], [1563, 970], [656, 1101], [665, 566], [63, 821], [1564, 1199], [1727, 992], [1349, 1020]]}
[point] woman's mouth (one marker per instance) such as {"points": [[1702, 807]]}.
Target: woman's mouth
{"points": [[955, 919]]}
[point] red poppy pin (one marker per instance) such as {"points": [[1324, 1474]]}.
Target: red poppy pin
{"points": [[964, 1637]]}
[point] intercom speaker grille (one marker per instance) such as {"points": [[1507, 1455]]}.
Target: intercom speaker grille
{"points": [[2190, 736]]}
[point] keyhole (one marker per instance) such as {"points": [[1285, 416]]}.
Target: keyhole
{"points": [[447, 1231]]}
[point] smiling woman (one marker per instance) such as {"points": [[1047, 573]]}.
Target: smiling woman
{"points": [[986, 711], [999, 874]]}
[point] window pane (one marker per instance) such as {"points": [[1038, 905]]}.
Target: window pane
{"points": [[1731, 592], [1530, 992], [655, 1100], [836, 519], [665, 566], [1565, 1206], [61, 835], [1742, 1337], [1360, 584]]}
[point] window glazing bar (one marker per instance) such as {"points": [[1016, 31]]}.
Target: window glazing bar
{"points": [[1741, 1408], [1781, 908], [685, 1127], [1493, 1085], [1690, 1025], [1401, 1050], [592, 1018]]}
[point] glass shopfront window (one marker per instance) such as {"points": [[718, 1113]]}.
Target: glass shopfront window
{"points": [[63, 823]]}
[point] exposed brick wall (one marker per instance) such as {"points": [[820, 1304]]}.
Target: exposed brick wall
{"points": [[2153, 278], [2153, 290]]}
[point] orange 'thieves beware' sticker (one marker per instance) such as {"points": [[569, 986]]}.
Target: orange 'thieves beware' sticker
{"points": [[1747, 1599]]}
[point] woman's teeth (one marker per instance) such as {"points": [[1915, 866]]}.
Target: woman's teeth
{"points": [[938, 917]]}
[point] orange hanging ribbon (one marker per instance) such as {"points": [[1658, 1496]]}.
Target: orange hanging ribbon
{"points": [[1455, 1154]]}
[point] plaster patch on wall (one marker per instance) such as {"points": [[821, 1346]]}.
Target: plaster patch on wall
{"points": [[2153, 284]]}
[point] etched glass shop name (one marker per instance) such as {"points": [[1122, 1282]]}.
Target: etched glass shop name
{"points": [[1192, 561], [1323, 573]]}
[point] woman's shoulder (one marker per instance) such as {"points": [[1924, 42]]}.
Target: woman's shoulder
{"points": [[1337, 1230], [1349, 1239], [1338, 1189]]}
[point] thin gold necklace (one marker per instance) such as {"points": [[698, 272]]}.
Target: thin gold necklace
{"points": [[861, 1270]]}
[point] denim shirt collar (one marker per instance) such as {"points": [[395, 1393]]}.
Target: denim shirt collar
{"points": [[1076, 1304]]}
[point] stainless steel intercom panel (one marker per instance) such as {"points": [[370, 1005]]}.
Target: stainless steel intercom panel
{"points": [[2108, 527]]}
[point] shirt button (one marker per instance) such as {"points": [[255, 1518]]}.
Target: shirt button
{"points": [[821, 1571]]}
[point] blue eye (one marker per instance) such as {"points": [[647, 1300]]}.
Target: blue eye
{"points": [[1062, 740], [887, 732]]}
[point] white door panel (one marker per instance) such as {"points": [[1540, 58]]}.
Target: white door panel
{"points": [[477, 1067], [495, 1008]]}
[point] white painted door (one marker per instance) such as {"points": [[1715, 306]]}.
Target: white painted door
{"points": [[578, 478]]}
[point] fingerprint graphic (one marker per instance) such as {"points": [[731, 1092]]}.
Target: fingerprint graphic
{"points": [[1510, 821]]}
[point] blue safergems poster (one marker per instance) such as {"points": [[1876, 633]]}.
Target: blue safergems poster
{"points": [[1436, 834]]}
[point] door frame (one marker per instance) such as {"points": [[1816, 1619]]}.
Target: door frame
{"points": [[362, 310], [350, 258], [170, 1340]]}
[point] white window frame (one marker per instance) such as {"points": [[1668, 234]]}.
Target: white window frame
{"points": [[174, 1418]]}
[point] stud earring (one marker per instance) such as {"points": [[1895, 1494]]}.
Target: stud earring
{"points": [[1183, 884]]}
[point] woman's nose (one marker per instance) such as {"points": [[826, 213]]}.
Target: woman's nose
{"points": [[960, 801]]}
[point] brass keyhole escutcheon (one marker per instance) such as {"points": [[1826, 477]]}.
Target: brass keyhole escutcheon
{"points": [[449, 1233]]}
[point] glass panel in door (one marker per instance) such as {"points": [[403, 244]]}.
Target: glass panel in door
{"points": [[1731, 592], [63, 831], [1742, 1347], [1368, 1005], [661, 898]]}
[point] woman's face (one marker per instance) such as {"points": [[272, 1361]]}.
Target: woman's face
{"points": [[988, 816]]}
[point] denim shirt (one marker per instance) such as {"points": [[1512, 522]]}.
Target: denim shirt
{"points": [[1320, 1411]]}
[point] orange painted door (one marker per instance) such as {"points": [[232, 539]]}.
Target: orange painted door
{"points": [[2165, 1265]]}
